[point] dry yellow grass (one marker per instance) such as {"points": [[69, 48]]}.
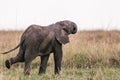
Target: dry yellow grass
{"points": [[94, 48], [84, 57], [91, 48]]}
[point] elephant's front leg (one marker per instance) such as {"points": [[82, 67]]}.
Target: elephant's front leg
{"points": [[58, 58], [43, 65]]}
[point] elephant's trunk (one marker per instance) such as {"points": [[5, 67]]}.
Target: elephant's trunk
{"points": [[74, 28]]}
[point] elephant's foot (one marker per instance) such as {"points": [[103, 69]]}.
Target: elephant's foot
{"points": [[8, 64], [27, 73]]}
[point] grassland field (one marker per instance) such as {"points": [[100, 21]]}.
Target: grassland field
{"points": [[90, 55]]}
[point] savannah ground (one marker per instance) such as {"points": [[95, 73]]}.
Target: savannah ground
{"points": [[90, 55]]}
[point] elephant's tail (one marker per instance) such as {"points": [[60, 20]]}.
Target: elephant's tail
{"points": [[11, 49]]}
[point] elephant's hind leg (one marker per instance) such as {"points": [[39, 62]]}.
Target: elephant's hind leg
{"points": [[29, 56], [18, 58]]}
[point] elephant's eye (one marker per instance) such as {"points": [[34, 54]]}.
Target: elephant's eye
{"points": [[64, 28]]}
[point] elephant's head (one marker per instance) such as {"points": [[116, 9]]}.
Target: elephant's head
{"points": [[63, 29]]}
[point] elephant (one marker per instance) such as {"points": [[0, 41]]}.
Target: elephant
{"points": [[41, 41]]}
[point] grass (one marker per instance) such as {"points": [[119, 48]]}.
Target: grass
{"points": [[90, 55]]}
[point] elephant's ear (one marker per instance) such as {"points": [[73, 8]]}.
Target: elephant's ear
{"points": [[62, 36]]}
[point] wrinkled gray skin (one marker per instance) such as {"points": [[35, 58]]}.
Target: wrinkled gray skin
{"points": [[41, 41]]}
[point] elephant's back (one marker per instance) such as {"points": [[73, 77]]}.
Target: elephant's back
{"points": [[37, 36]]}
